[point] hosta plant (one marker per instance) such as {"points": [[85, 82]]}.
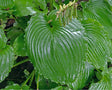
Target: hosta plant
{"points": [[57, 45]]}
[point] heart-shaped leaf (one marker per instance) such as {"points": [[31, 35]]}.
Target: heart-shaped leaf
{"points": [[59, 53], [98, 44], [56, 51]]}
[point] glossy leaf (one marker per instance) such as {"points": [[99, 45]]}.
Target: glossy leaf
{"points": [[55, 49], [5, 4], [3, 39], [6, 61], [99, 10], [58, 53], [16, 87], [19, 46], [98, 44]]}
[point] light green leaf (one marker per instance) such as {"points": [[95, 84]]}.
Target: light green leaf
{"points": [[99, 10], [3, 39], [104, 84], [58, 53], [6, 61], [16, 87], [5, 4], [24, 8], [19, 46], [98, 44]]}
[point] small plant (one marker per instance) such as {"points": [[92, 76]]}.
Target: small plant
{"points": [[54, 44]]}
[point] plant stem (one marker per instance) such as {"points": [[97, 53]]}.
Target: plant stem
{"points": [[28, 79], [31, 79], [17, 64], [38, 82]]}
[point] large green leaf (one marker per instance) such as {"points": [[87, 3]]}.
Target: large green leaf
{"points": [[3, 39], [6, 61], [58, 53], [4, 4], [98, 44], [99, 10]]}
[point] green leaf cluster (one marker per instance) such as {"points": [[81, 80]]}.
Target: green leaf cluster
{"points": [[72, 55]]}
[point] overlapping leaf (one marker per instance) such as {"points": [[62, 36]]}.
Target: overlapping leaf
{"points": [[6, 61], [99, 10], [98, 44], [5, 4], [57, 52]]}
